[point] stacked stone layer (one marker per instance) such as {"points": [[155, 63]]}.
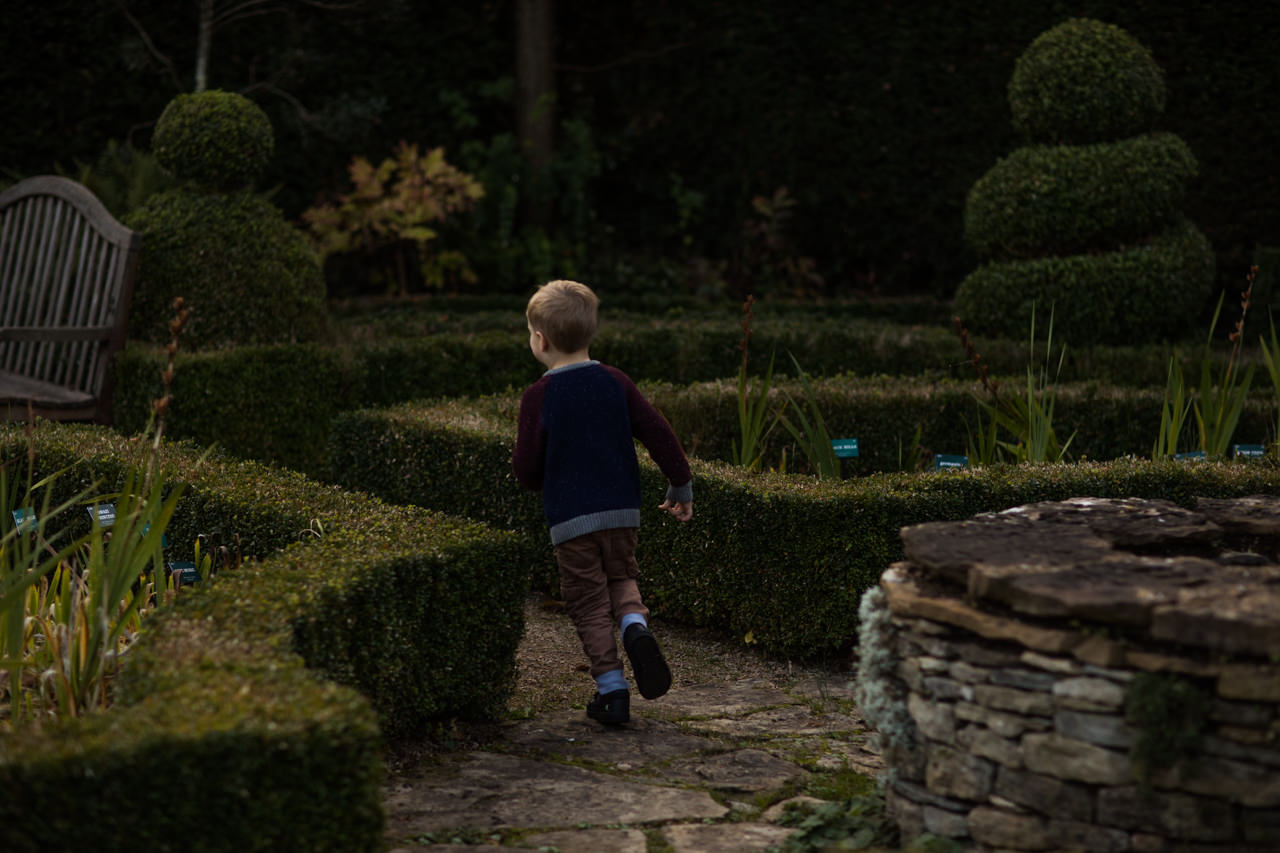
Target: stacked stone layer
{"points": [[1021, 740]]}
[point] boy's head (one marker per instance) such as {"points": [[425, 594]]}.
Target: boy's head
{"points": [[565, 313]]}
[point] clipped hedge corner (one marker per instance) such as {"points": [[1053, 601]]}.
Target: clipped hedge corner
{"points": [[251, 714]]}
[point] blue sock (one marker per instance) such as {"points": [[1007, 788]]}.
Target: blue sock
{"points": [[610, 681], [630, 619]]}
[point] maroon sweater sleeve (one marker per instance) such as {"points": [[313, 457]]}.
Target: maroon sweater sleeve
{"points": [[531, 439], [648, 425]]}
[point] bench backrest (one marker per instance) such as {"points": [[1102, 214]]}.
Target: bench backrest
{"points": [[66, 266]]}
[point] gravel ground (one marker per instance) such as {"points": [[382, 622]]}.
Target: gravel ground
{"points": [[553, 676], [553, 668]]}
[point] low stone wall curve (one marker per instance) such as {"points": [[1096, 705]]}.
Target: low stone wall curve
{"points": [[1013, 663]]}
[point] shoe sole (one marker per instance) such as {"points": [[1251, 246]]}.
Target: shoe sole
{"points": [[653, 676], [610, 721]]}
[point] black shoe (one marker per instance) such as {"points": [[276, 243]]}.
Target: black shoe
{"points": [[612, 709], [653, 676]]}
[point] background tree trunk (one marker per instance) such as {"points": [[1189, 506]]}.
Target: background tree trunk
{"points": [[536, 105], [203, 40]]}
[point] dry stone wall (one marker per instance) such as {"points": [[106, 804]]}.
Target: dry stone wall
{"points": [[1002, 660]]}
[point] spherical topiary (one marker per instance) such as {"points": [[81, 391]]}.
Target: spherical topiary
{"points": [[1085, 81], [248, 275], [219, 140]]}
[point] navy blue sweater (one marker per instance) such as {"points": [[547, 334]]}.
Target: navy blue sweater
{"points": [[575, 442]]}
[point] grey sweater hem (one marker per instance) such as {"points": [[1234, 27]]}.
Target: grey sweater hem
{"points": [[592, 522]]}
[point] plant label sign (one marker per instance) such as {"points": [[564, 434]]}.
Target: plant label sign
{"points": [[1192, 455], [949, 462], [104, 514], [184, 572], [1248, 451], [24, 519], [164, 540], [845, 448]]}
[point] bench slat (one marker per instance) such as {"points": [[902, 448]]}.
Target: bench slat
{"points": [[19, 389], [66, 277], [55, 333]]}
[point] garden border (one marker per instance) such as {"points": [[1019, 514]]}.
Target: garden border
{"points": [[252, 713], [777, 560]]}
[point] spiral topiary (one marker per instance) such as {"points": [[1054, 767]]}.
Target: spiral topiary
{"points": [[1085, 81], [248, 275], [218, 140], [1086, 222]]}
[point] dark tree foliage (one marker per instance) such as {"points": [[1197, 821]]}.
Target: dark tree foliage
{"points": [[876, 117]]}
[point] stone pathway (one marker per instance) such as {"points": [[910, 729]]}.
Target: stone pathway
{"points": [[704, 768]]}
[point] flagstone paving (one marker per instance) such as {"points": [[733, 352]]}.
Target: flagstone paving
{"points": [[701, 770]]}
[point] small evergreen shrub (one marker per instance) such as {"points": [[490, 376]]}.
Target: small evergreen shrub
{"points": [[220, 141], [1085, 81]]}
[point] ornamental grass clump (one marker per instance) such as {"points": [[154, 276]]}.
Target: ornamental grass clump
{"points": [[72, 603], [1218, 406], [754, 424], [1027, 418]]}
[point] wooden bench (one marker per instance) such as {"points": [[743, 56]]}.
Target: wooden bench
{"points": [[66, 277]]}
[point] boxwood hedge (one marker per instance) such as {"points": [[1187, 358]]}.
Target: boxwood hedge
{"points": [[782, 558], [1070, 199], [274, 402], [251, 714], [896, 419]]}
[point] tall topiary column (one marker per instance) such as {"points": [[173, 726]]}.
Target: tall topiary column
{"points": [[247, 274], [1085, 219]]}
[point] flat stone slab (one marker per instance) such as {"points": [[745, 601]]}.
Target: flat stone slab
{"points": [[587, 841], [743, 771], [784, 722], [1206, 577], [838, 687], [572, 735], [724, 838], [490, 791], [712, 700]]}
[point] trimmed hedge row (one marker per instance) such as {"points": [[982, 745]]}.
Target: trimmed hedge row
{"points": [[885, 413], [251, 714], [275, 402], [781, 558]]}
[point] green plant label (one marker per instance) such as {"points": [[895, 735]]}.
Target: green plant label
{"points": [[184, 572], [1192, 455], [845, 448], [164, 540], [949, 462], [1248, 451], [104, 514], [24, 519]]}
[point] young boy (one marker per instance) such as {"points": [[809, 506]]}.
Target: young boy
{"points": [[575, 442]]}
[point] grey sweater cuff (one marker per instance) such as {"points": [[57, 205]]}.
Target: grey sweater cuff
{"points": [[680, 494]]}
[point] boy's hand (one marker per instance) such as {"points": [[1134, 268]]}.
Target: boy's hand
{"points": [[683, 510]]}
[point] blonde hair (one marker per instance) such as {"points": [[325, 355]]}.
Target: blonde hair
{"points": [[565, 312]]}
